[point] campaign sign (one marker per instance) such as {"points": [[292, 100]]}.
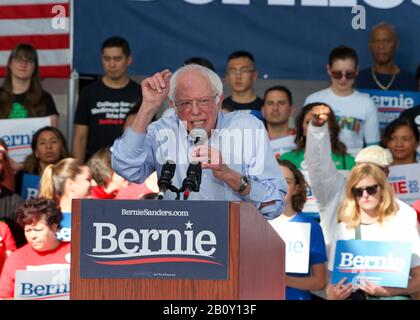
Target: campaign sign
{"points": [[311, 206], [296, 236], [391, 103], [154, 239], [17, 133], [30, 185], [405, 181], [43, 284], [386, 263], [64, 233]]}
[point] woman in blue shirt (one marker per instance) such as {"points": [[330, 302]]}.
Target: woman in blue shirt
{"points": [[299, 285]]}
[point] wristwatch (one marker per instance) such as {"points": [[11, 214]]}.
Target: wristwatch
{"points": [[244, 184]]}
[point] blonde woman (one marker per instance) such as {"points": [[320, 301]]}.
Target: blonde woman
{"points": [[65, 181], [369, 206]]}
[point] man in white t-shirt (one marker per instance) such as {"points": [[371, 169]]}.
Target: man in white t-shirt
{"points": [[356, 112], [276, 111]]}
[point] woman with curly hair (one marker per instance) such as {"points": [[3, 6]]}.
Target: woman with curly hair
{"points": [[40, 219]]}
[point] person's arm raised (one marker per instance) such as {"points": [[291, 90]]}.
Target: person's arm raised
{"points": [[155, 89]]}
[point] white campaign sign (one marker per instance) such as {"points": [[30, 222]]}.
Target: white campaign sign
{"points": [[296, 236], [43, 285], [405, 181], [17, 134]]}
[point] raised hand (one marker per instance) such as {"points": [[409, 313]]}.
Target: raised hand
{"points": [[155, 89], [320, 115]]}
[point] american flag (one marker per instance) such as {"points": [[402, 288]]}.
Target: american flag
{"points": [[42, 23]]}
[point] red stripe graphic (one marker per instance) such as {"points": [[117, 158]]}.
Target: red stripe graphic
{"points": [[19, 147], [370, 270], [52, 296], [155, 260], [61, 71], [31, 11], [40, 42]]}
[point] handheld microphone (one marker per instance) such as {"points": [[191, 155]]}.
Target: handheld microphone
{"points": [[199, 135], [165, 180], [193, 179]]}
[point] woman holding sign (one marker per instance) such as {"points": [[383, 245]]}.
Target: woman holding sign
{"points": [[22, 89], [370, 212], [40, 219], [299, 285]]}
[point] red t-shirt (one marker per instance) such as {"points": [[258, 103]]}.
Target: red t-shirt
{"points": [[25, 257], [6, 242]]}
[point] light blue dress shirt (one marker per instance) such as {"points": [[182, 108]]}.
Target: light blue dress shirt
{"points": [[242, 140]]}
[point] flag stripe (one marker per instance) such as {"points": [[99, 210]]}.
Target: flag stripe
{"points": [[47, 71], [30, 26], [59, 41], [34, 11], [34, 22], [45, 57]]}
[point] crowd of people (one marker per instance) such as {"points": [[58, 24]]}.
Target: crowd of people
{"points": [[336, 153]]}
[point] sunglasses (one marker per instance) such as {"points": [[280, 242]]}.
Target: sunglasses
{"points": [[371, 190], [339, 74]]}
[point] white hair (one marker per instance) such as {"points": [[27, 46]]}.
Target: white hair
{"points": [[215, 81]]}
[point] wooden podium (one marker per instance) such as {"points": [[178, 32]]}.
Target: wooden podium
{"points": [[256, 267]]}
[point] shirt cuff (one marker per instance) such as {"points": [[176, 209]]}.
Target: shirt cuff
{"points": [[133, 140]]}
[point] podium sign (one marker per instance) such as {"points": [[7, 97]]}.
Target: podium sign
{"points": [[154, 239]]}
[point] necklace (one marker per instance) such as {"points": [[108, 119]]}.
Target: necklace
{"points": [[379, 84]]}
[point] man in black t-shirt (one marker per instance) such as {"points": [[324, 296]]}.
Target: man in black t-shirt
{"points": [[241, 75], [104, 104], [384, 74]]}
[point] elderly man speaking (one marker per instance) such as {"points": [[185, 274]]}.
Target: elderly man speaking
{"points": [[237, 162]]}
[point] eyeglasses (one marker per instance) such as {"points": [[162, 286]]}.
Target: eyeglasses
{"points": [[349, 75], [241, 71], [21, 59], [203, 103], [371, 190]]}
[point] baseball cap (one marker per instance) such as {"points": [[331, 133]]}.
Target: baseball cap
{"points": [[376, 155]]}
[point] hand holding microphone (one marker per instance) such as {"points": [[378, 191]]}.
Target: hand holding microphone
{"points": [[207, 156], [192, 180]]}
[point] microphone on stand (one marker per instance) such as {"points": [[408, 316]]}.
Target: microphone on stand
{"points": [[193, 179], [165, 180]]}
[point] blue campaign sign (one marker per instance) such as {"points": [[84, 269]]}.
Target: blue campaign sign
{"points": [[386, 263], [154, 239], [30, 185], [391, 103], [64, 234]]}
